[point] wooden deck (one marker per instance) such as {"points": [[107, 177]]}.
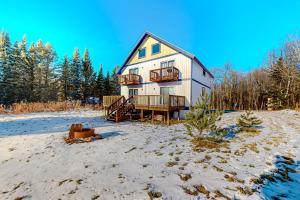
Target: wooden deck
{"points": [[159, 102], [165, 104]]}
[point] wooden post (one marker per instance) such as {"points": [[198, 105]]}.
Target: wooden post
{"points": [[117, 116], [142, 115], [164, 117], [178, 116], [168, 117], [152, 118]]}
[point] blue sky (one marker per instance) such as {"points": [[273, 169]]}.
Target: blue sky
{"points": [[237, 31]]}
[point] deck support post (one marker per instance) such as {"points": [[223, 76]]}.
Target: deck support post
{"points": [[168, 117], [142, 115], [178, 116], [117, 116], [152, 118]]}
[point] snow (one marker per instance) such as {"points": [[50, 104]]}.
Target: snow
{"points": [[133, 158]]}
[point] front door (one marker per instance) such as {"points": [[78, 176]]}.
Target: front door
{"points": [[133, 92]]}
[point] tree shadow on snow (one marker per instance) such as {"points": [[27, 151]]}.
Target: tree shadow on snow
{"points": [[283, 182], [111, 134]]}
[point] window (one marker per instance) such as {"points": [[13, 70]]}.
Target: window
{"points": [[155, 48], [133, 92], [203, 91], [170, 63], [167, 90], [142, 52], [134, 71], [204, 72]]}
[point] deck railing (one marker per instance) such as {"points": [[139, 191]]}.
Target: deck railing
{"points": [[129, 79], [164, 74], [159, 102], [108, 100]]}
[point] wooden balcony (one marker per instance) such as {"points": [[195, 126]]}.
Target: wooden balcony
{"points": [[129, 79], [164, 74], [159, 102]]}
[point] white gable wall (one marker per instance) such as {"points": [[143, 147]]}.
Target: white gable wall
{"points": [[182, 87], [199, 81]]}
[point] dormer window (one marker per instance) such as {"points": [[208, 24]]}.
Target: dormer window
{"points": [[155, 48], [142, 52]]}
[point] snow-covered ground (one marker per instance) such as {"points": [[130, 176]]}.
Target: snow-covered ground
{"points": [[136, 158]]}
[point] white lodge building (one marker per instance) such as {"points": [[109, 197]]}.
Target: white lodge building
{"points": [[162, 72]]}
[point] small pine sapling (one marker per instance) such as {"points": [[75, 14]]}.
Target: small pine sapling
{"points": [[247, 122], [201, 117]]}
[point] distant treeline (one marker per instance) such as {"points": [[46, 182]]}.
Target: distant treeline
{"points": [[33, 73], [276, 84]]}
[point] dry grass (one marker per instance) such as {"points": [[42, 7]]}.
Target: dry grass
{"points": [[190, 190], [201, 143], [2, 109], [202, 189], [185, 177], [18, 108]]}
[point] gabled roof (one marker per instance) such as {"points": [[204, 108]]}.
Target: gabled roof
{"points": [[179, 50]]}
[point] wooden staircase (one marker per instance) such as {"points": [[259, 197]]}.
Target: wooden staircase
{"points": [[120, 110]]}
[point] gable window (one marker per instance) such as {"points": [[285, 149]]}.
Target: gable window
{"points": [[155, 48], [142, 52]]}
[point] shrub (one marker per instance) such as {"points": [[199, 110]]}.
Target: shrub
{"points": [[201, 117], [247, 122]]}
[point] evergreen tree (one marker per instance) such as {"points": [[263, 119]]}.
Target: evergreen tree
{"points": [[87, 75], [107, 85], [115, 87], [100, 84], [200, 117], [65, 79], [76, 76], [247, 121], [7, 71]]}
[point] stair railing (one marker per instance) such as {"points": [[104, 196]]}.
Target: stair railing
{"points": [[114, 106], [123, 109]]}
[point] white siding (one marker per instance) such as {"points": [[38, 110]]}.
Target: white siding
{"points": [[197, 76], [182, 88]]}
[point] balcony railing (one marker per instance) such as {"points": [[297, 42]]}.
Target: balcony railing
{"points": [[129, 79], [159, 102], [164, 74]]}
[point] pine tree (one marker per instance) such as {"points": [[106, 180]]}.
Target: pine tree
{"points": [[76, 76], [16, 70], [87, 75], [107, 85], [100, 84], [2, 63], [247, 120], [65, 79], [200, 117], [115, 87], [7, 71]]}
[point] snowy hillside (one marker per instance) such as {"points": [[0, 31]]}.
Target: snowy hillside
{"points": [[137, 160]]}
